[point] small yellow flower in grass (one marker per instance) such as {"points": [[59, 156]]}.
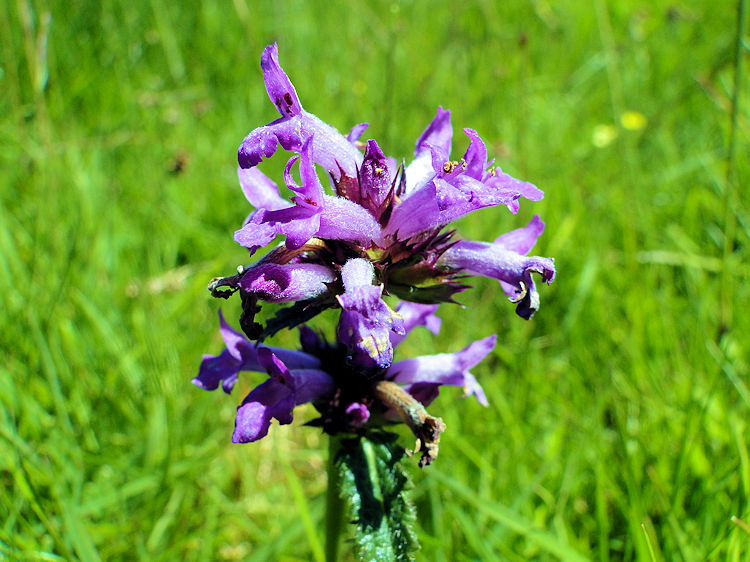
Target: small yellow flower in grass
{"points": [[603, 135], [633, 120]]}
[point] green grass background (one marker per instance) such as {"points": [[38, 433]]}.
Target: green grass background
{"points": [[618, 418]]}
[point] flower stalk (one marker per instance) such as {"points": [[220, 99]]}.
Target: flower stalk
{"points": [[334, 503]]}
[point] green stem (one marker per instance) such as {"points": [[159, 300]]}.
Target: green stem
{"points": [[334, 505], [730, 193]]}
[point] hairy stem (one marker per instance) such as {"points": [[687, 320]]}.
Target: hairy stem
{"points": [[334, 505]]}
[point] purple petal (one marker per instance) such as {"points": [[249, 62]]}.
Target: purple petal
{"points": [[242, 349], [309, 385], [341, 219], [260, 191], [279, 87], [423, 392], [311, 191], [312, 385], [490, 260], [357, 414], [299, 224], [418, 213], [215, 369], [330, 148], [460, 189], [292, 282], [433, 143], [445, 368], [356, 132], [294, 359], [435, 205], [438, 134], [507, 188], [366, 321], [272, 399], [241, 354], [448, 198], [310, 341], [357, 273], [416, 315], [522, 239], [476, 155], [374, 177], [419, 172], [511, 269], [275, 367]]}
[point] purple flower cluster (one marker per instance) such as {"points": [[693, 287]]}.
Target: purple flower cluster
{"points": [[381, 231]]}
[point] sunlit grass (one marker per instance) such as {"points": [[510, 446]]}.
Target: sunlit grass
{"points": [[617, 426]]}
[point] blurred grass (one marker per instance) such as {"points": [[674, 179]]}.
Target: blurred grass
{"points": [[618, 419]]}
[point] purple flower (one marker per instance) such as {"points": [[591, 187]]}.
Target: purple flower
{"points": [[366, 320], [390, 215], [350, 398], [505, 260], [288, 282], [295, 378], [296, 125], [424, 375], [242, 355]]}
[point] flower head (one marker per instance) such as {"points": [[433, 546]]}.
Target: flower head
{"points": [[380, 230], [392, 216], [350, 396]]}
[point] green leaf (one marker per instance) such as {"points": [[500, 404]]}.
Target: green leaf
{"points": [[372, 486]]}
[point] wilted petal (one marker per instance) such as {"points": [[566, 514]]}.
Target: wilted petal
{"points": [[443, 369], [291, 282]]}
